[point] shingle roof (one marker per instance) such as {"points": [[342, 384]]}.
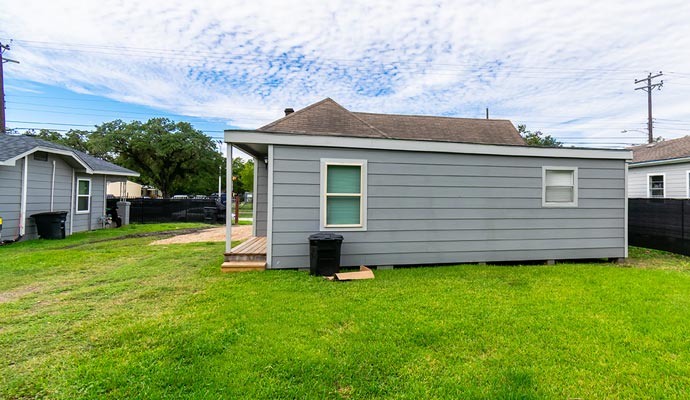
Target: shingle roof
{"points": [[12, 146], [329, 118], [668, 149]]}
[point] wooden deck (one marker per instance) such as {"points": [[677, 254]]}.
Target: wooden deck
{"points": [[254, 246], [248, 256]]}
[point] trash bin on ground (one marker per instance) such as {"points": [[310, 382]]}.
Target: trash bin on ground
{"points": [[324, 253], [51, 225]]}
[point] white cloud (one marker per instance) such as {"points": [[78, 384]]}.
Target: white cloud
{"points": [[535, 62]]}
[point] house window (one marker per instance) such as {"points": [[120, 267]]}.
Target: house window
{"points": [[40, 156], [656, 186], [343, 194], [559, 186], [83, 196]]}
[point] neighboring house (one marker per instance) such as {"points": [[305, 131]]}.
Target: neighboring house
{"points": [[129, 189], [660, 170], [38, 176], [412, 190]]}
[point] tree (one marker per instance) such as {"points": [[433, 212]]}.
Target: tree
{"points": [[172, 156], [246, 176], [74, 138], [538, 138]]}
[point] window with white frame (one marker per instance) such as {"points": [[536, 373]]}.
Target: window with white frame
{"points": [[83, 195], [655, 185], [343, 194], [559, 186]]}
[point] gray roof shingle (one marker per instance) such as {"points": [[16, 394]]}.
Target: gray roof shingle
{"points": [[329, 118], [13, 145], [665, 150]]}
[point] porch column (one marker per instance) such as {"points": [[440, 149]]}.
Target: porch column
{"points": [[228, 198]]}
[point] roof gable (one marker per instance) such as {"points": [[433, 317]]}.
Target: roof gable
{"points": [[330, 118], [326, 118], [13, 147], [665, 150]]}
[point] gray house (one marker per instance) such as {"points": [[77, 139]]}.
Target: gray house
{"points": [[413, 190], [38, 176], [660, 170]]}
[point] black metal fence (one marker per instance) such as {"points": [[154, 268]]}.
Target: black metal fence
{"points": [[662, 224], [146, 211]]}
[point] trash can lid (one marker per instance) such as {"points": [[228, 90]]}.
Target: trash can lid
{"points": [[49, 214], [325, 236]]}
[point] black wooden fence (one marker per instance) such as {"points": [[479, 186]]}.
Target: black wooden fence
{"points": [[146, 211], [662, 224]]}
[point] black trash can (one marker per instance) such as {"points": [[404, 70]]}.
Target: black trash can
{"points": [[210, 215], [324, 253], [51, 225]]}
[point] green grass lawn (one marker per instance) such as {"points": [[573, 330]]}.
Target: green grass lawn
{"points": [[122, 319]]}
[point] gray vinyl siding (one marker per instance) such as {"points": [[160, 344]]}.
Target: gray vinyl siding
{"points": [[85, 222], [261, 197], [676, 180], [431, 208], [10, 197], [38, 192]]}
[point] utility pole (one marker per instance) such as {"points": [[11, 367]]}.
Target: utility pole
{"points": [[648, 88], [3, 60]]}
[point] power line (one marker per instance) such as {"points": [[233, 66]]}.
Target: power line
{"points": [[203, 56]]}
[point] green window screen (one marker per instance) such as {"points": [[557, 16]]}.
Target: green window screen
{"points": [[84, 187], [342, 210], [344, 179]]}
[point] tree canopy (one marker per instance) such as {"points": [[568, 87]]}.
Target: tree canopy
{"points": [[538, 138]]}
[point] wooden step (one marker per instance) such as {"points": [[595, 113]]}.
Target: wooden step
{"points": [[243, 266], [245, 257]]}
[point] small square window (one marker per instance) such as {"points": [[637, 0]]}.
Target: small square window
{"points": [[559, 187], [41, 156]]}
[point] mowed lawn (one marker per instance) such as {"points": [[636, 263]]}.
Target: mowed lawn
{"points": [[122, 319]]}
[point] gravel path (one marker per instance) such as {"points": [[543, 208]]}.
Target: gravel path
{"points": [[240, 232]]}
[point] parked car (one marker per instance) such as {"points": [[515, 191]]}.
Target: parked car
{"points": [[180, 196]]}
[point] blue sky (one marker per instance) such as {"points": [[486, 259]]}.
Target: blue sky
{"points": [[566, 68]]}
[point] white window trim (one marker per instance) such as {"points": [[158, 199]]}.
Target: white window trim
{"points": [[544, 203], [363, 199], [649, 175], [687, 184], [76, 203]]}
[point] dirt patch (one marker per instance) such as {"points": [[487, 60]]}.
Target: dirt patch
{"points": [[17, 293], [169, 233], [240, 232]]}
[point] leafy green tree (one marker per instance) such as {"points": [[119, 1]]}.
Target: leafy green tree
{"points": [[74, 138], [171, 156], [246, 177], [538, 138]]}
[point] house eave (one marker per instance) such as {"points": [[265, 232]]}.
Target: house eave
{"points": [[291, 139], [112, 173], [667, 161]]}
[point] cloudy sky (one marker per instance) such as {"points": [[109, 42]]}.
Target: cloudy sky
{"points": [[565, 68]]}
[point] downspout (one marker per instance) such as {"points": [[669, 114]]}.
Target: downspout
{"points": [[71, 205], [22, 207], [105, 193], [52, 188]]}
